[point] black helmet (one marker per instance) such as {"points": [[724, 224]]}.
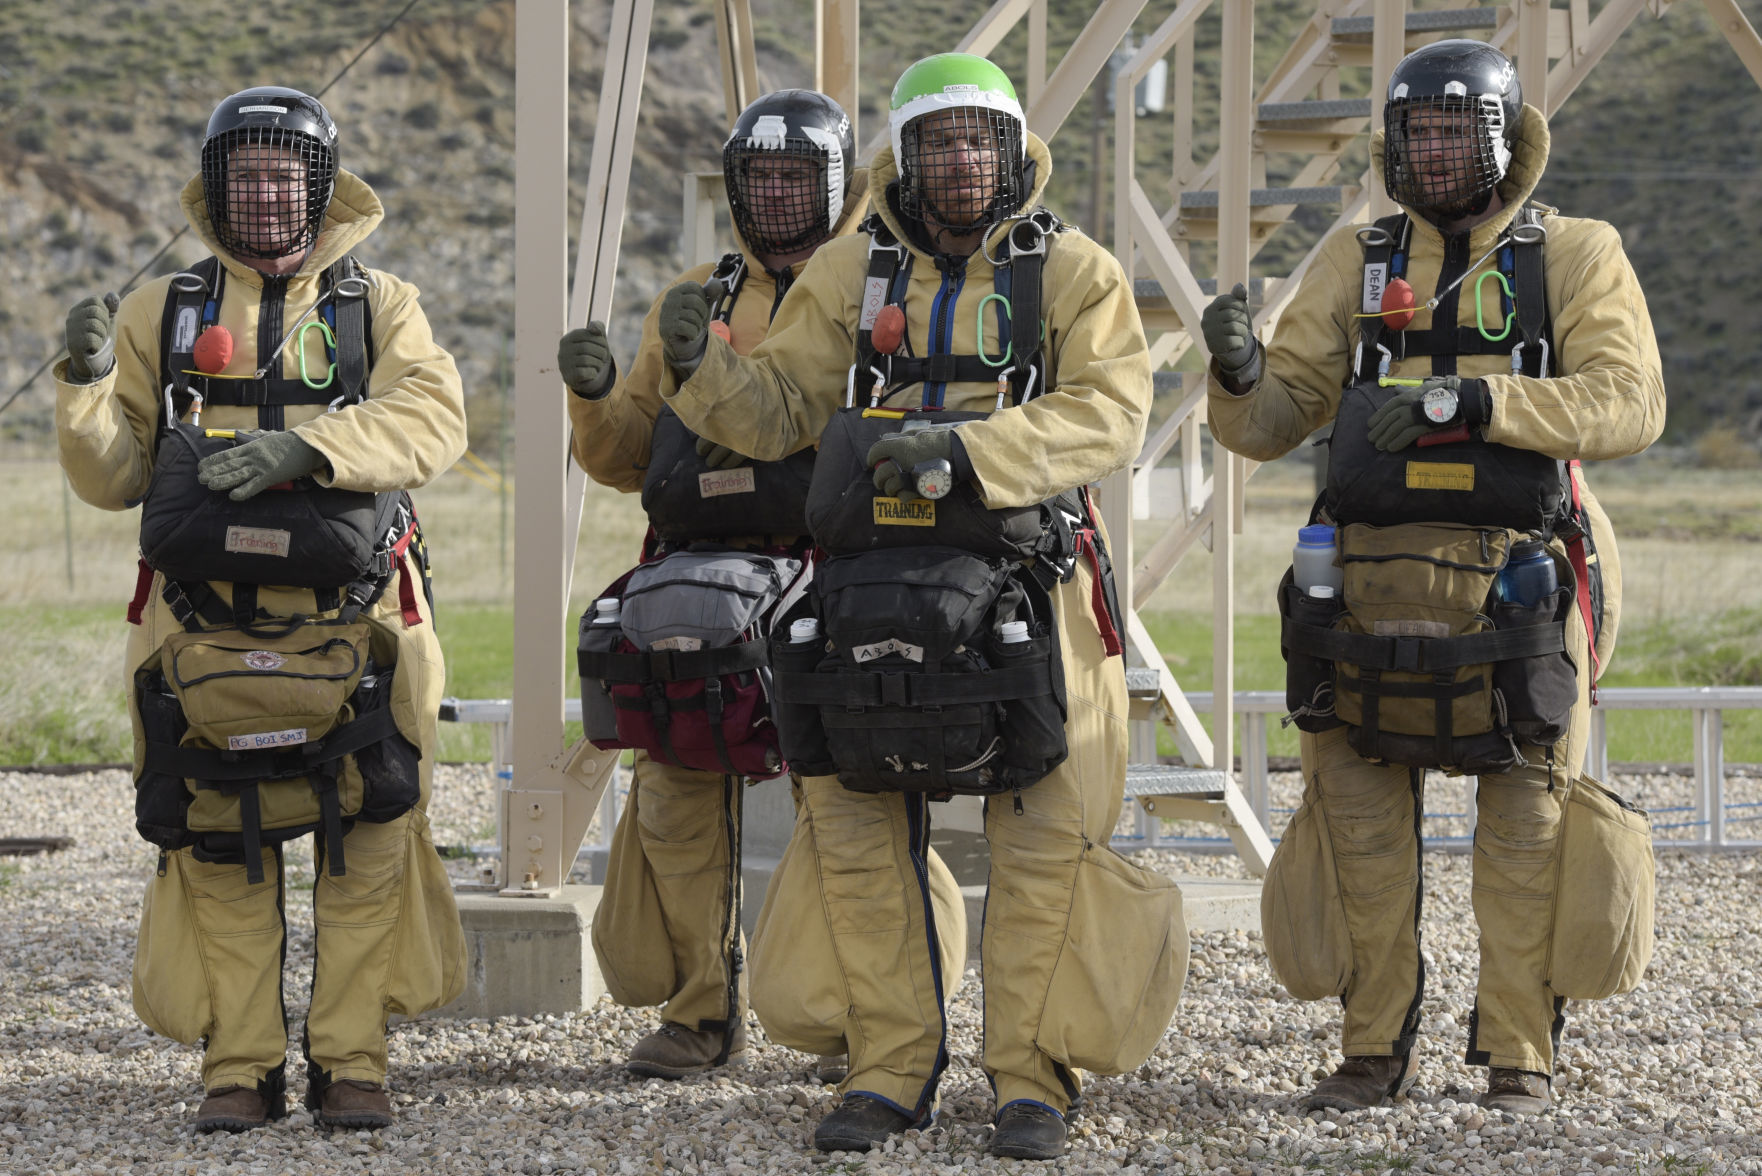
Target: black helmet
{"points": [[1455, 104], [803, 127], [301, 129]]}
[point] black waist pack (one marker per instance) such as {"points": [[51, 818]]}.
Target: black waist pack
{"points": [[1472, 482], [304, 536], [913, 684], [687, 501], [846, 514]]}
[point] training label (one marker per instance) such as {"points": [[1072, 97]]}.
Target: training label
{"points": [[916, 512], [259, 541], [1439, 475], [867, 653], [1376, 280], [261, 739]]}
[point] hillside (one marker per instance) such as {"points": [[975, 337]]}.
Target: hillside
{"points": [[102, 106]]}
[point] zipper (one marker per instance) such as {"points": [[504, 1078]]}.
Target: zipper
{"points": [[942, 324]]}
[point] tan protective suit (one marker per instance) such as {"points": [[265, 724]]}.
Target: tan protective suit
{"points": [[1607, 401], [387, 938], [666, 929], [1083, 954]]}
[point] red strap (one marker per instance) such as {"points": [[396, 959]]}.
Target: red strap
{"points": [[143, 586], [1581, 572], [1110, 636], [1443, 436], [407, 590]]}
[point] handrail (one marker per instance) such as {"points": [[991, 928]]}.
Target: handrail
{"points": [[1707, 704]]}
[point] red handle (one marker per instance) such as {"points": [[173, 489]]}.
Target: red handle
{"points": [[1444, 437]]}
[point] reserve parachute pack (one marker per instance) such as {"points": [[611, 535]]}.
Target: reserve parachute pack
{"points": [[1419, 656], [673, 659], [256, 729]]}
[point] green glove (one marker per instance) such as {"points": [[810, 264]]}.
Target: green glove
{"points": [[1453, 401], [895, 459], [1229, 332], [584, 360], [91, 339], [685, 323], [255, 466], [719, 457]]}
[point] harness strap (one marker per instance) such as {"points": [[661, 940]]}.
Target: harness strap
{"points": [[251, 832], [861, 688], [671, 665], [1581, 574], [143, 588]]}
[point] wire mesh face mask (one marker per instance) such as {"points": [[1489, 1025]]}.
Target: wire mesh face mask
{"points": [[1445, 154], [266, 190], [961, 169], [778, 195]]}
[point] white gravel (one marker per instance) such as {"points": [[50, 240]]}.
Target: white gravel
{"points": [[1663, 1080]]}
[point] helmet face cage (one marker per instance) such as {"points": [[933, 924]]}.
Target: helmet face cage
{"points": [[961, 168], [268, 171], [1445, 153], [787, 169]]}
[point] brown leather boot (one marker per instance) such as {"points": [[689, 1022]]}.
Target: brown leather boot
{"points": [[673, 1051], [859, 1123], [1517, 1092], [348, 1102], [238, 1108], [1364, 1082]]}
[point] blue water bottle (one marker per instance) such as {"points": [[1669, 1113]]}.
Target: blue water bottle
{"points": [[1312, 560], [1528, 576]]}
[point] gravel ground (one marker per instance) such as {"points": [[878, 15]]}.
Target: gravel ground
{"points": [[1662, 1080]]}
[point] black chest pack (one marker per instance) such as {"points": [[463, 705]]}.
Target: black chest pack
{"points": [[687, 501], [1420, 657], [927, 655], [256, 728]]}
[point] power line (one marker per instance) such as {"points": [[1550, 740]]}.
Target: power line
{"points": [[175, 237]]}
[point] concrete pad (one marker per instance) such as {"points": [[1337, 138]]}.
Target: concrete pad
{"points": [[527, 956]]}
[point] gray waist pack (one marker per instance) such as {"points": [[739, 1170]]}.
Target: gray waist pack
{"points": [[683, 673]]}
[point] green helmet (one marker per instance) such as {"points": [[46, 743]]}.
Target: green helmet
{"points": [[966, 103]]}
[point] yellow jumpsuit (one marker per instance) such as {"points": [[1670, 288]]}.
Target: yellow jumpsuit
{"points": [[1607, 401], [1082, 953], [208, 959]]}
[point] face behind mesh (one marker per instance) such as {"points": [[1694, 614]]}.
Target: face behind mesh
{"points": [[778, 195], [960, 169], [1440, 153], [266, 189]]}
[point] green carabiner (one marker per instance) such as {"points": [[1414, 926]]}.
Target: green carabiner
{"points": [[979, 331], [1480, 321], [300, 346]]}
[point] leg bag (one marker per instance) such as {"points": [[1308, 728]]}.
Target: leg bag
{"points": [[1602, 938]]}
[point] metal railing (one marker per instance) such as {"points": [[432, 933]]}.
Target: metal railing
{"points": [[1710, 810]]}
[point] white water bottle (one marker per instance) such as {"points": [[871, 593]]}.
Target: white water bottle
{"points": [[1011, 632], [1313, 560], [803, 630], [607, 610]]}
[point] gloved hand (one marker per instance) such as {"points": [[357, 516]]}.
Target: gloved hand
{"points": [[1403, 420], [685, 323], [897, 455], [584, 360], [255, 466], [1229, 332], [91, 338], [719, 457]]}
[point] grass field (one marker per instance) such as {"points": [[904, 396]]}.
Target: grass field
{"points": [[1691, 548]]}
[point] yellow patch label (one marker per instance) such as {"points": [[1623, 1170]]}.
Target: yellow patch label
{"points": [[1439, 475], [917, 512]]}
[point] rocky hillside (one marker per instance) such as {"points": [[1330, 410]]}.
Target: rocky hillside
{"points": [[102, 106]]}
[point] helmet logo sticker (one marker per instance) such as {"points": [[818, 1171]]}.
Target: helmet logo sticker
{"points": [[263, 659], [827, 141], [262, 110], [769, 133], [1455, 89]]}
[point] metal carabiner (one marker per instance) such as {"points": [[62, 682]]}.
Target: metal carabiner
{"points": [[1374, 237], [186, 282], [1529, 234], [300, 347]]}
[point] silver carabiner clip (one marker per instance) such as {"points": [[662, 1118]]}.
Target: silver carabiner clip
{"points": [[186, 282], [1529, 234]]}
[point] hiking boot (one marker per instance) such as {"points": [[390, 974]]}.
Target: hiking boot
{"points": [[673, 1051], [238, 1108], [858, 1124], [1364, 1082], [348, 1102], [1029, 1131], [1516, 1092], [831, 1068]]}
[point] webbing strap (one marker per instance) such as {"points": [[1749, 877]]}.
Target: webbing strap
{"points": [[215, 769], [671, 665], [251, 833], [859, 688], [1581, 574], [1421, 655], [143, 588]]}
